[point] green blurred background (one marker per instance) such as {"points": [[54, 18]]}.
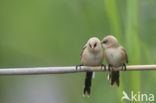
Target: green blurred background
{"points": [[36, 33]]}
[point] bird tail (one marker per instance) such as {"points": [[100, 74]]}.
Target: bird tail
{"points": [[115, 77], [88, 81]]}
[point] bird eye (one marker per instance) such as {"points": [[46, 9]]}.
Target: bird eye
{"points": [[105, 41], [95, 44]]}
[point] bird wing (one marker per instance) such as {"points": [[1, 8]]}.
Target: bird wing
{"points": [[126, 56], [83, 51]]}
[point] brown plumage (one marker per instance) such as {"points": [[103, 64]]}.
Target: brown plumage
{"points": [[116, 56]]}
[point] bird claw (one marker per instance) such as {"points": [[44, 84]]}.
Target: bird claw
{"points": [[78, 66], [124, 67], [102, 65], [110, 67]]}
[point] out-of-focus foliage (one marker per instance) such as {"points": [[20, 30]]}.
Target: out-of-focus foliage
{"points": [[53, 32]]}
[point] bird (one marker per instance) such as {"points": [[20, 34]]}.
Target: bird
{"points": [[91, 55], [115, 56]]}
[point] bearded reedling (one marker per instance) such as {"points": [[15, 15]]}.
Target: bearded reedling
{"points": [[91, 55], [116, 56]]}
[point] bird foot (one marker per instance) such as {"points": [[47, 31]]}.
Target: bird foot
{"points": [[124, 67], [77, 66], [103, 66], [110, 68]]}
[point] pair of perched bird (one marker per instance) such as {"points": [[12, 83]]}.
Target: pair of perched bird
{"points": [[92, 55]]}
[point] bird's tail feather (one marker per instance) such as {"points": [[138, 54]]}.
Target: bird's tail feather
{"points": [[88, 81], [115, 77]]}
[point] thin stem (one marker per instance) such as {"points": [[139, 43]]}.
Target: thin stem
{"points": [[68, 69]]}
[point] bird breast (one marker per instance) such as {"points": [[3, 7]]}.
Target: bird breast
{"points": [[114, 56], [92, 59]]}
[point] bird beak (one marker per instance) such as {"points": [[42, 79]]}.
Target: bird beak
{"points": [[92, 47]]}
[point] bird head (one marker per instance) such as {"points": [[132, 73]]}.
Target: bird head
{"points": [[110, 42], [94, 44]]}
